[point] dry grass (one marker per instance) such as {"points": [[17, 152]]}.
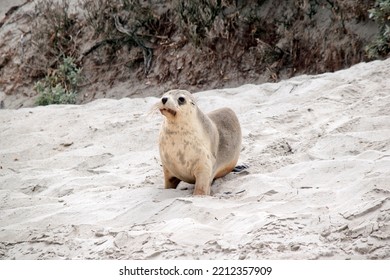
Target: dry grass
{"points": [[184, 43]]}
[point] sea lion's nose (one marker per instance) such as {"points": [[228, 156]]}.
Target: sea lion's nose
{"points": [[164, 100]]}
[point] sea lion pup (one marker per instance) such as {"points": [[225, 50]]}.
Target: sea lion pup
{"points": [[195, 147]]}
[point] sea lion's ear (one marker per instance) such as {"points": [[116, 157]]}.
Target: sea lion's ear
{"points": [[191, 98]]}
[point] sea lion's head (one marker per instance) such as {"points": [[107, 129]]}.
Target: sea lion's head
{"points": [[177, 104]]}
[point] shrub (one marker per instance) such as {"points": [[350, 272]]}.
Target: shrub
{"points": [[196, 17], [60, 87], [381, 14], [130, 23], [54, 34]]}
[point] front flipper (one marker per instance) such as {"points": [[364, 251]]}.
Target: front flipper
{"points": [[203, 182], [171, 182]]}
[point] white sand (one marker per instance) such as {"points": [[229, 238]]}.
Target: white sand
{"points": [[85, 182]]}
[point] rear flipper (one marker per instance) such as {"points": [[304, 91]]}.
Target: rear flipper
{"points": [[240, 168]]}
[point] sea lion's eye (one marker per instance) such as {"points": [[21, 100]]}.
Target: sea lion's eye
{"points": [[181, 100]]}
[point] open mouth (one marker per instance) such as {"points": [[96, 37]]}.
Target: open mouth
{"points": [[170, 111]]}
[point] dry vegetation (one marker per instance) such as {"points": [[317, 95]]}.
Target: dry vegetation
{"points": [[154, 45]]}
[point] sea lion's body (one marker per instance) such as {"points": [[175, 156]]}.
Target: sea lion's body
{"points": [[195, 147]]}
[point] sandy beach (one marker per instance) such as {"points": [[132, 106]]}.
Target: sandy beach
{"points": [[85, 181]]}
